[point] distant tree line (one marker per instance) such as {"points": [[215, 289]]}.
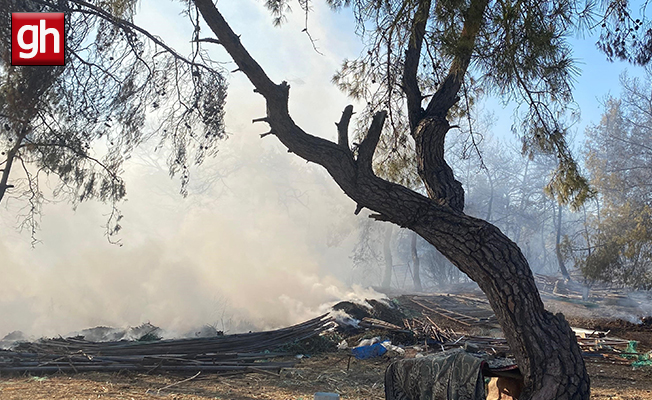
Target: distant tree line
{"points": [[608, 239]]}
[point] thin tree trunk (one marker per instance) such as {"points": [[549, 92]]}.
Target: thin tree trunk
{"points": [[522, 205], [587, 236], [12, 153], [491, 198], [560, 257], [543, 245], [416, 264], [387, 255]]}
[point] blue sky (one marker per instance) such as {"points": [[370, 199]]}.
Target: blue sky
{"points": [[286, 54], [598, 77]]}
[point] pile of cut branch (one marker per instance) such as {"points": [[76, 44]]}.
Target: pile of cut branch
{"points": [[248, 352], [462, 310], [592, 343]]}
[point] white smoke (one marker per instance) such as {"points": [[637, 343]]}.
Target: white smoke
{"points": [[249, 247]]}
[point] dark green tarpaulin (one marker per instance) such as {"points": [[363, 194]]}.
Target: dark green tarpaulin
{"points": [[449, 375]]}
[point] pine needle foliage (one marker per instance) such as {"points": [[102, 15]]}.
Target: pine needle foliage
{"points": [[619, 161], [521, 53], [80, 122]]}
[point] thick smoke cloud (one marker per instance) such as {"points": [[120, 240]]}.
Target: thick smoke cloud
{"points": [[263, 239], [251, 251]]}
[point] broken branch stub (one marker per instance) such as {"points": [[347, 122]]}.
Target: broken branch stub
{"points": [[343, 127], [368, 145]]}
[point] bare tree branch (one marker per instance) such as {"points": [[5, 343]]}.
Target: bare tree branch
{"points": [[447, 94], [368, 145], [411, 64], [343, 127]]}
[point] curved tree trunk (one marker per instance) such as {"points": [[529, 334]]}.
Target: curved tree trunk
{"points": [[544, 345]]}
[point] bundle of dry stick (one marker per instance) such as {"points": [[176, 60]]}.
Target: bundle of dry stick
{"points": [[248, 352]]}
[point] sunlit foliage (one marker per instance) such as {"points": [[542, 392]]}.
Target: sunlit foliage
{"points": [[619, 160]]}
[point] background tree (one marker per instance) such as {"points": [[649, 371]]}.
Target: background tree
{"points": [[507, 190], [416, 262], [619, 159], [79, 122]]}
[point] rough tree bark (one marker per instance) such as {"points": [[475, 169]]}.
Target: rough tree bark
{"points": [[544, 345]]}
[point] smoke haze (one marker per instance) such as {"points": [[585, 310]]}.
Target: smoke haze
{"points": [[263, 239], [253, 250]]}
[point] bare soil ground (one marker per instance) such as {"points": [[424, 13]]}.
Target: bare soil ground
{"points": [[325, 373], [611, 380]]}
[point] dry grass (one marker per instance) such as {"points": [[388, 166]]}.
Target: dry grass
{"points": [[363, 380], [619, 382]]}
